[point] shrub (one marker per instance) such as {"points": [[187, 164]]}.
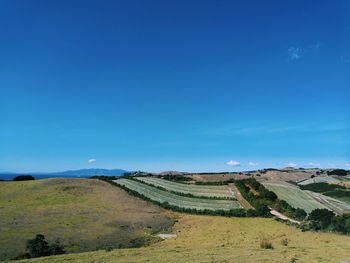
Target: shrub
{"points": [[340, 172], [38, 247], [265, 243], [284, 242], [320, 219], [21, 255], [23, 178]]}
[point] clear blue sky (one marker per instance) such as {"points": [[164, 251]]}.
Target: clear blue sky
{"points": [[165, 85]]}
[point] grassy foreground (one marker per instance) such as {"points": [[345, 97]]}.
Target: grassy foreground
{"points": [[219, 239], [85, 214]]}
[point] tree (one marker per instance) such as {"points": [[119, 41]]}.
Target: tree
{"points": [[320, 218], [23, 178], [56, 248], [38, 247]]}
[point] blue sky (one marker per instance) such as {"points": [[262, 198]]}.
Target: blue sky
{"points": [[174, 85]]}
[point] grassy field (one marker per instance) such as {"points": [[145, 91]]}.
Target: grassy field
{"points": [[196, 190], [177, 200], [295, 197], [85, 214], [209, 239]]}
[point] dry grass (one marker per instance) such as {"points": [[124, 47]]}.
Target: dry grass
{"points": [[219, 239], [84, 214]]}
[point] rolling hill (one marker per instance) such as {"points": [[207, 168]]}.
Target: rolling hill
{"points": [[85, 214], [218, 239]]}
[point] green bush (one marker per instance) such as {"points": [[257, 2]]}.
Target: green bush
{"points": [[23, 178], [320, 219], [39, 247]]}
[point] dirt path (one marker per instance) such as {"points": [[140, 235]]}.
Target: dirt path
{"points": [[244, 203], [283, 217]]}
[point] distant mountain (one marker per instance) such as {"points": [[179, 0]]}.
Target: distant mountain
{"points": [[92, 172], [71, 173]]}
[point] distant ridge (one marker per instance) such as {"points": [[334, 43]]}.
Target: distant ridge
{"points": [[70, 173], [92, 172]]}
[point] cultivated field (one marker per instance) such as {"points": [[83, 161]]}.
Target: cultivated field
{"points": [[204, 239], [295, 197], [196, 190], [177, 200], [336, 205], [319, 179], [85, 214]]}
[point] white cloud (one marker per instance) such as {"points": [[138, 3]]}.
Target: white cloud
{"points": [[92, 160], [347, 164], [233, 163], [294, 53], [314, 164], [252, 164], [291, 164]]}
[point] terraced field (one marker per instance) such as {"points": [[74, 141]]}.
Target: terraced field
{"points": [[319, 179], [295, 197], [336, 205], [196, 190], [177, 200]]}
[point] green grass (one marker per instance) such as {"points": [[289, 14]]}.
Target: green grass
{"points": [[85, 214], [224, 240], [196, 190], [177, 200], [295, 197]]}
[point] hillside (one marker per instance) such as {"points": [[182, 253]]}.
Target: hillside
{"points": [[220, 239], [85, 214]]}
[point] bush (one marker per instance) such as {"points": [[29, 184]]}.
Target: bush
{"points": [[23, 178], [265, 243], [284, 242], [320, 219], [340, 172], [21, 255], [39, 247]]}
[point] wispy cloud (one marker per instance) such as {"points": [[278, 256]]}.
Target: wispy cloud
{"points": [[291, 164], [314, 164], [294, 53], [253, 164], [233, 163], [347, 164], [92, 160]]}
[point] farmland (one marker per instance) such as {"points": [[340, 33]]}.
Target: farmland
{"points": [[319, 179], [196, 190], [161, 196], [295, 197], [336, 205]]}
